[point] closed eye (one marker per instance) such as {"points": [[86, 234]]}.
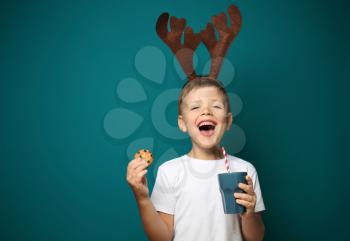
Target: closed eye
{"points": [[193, 108], [218, 107]]}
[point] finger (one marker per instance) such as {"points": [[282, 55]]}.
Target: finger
{"points": [[246, 204], [244, 196], [143, 165], [132, 166], [134, 176], [135, 163], [129, 169], [249, 180], [246, 188], [140, 175]]}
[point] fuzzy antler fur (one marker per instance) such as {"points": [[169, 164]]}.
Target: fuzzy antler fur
{"points": [[216, 47], [183, 52]]}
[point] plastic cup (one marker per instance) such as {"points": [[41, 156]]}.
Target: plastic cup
{"points": [[228, 183]]}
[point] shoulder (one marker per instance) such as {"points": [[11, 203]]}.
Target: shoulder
{"points": [[173, 163], [172, 171], [238, 164], [172, 166]]}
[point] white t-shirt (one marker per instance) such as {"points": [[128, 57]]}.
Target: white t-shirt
{"points": [[188, 188]]}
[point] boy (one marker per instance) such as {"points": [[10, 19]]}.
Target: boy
{"points": [[185, 204]]}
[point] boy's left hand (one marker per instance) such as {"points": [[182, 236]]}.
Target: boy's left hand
{"points": [[247, 199]]}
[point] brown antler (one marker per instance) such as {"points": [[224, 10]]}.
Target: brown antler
{"points": [[183, 52], [218, 48]]}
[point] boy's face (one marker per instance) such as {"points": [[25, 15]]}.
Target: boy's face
{"points": [[204, 117]]}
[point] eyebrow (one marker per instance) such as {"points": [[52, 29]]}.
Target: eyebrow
{"points": [[215, 100]]}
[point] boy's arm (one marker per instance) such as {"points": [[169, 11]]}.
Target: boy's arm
{"points": [[253, 227], [158, 226]]}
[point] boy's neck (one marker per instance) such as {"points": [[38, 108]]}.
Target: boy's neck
{"points": [[206, 154]]}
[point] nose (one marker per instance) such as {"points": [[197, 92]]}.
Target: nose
{"points": [[206, 111]]}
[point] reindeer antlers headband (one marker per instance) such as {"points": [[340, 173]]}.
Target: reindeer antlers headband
{"points": [[217, 48]]}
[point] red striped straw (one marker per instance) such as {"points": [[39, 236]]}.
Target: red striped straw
{"points": [[227, 164]]}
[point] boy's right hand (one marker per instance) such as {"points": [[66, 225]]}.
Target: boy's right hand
{"points": [[136, 178]]}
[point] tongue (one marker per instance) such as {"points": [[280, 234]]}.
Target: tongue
{"points": [[207, 132]]}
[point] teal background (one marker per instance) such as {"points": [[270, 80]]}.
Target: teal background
{"points": [[63, 178]]}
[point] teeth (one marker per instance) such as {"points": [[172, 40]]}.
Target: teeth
{"points": [[206, 123]]}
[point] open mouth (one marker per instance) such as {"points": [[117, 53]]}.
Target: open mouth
{"points": [[207, 128]]}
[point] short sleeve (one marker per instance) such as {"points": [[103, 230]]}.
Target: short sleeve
{"points": [[163, 196], [259, 206]]}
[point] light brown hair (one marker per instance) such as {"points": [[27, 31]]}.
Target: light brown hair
{"points": [[200, 82]]}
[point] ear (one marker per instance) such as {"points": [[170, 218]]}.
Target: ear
{"points": [[229, 119], [181, 123]]}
